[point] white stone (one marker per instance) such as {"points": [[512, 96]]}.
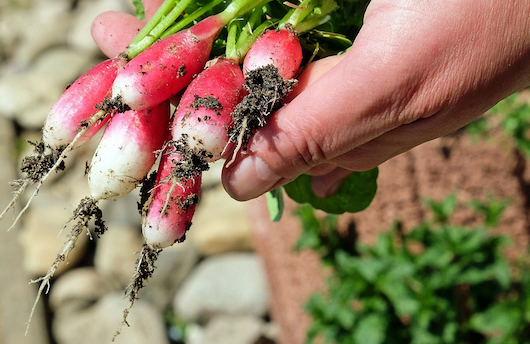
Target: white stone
{"points": [[44, 25], [117, 252], [99, 323], [220, 224], [226, 329], [226, 284], [173, 265], [78, 289]]}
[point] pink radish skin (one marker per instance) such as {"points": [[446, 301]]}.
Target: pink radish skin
{"points": [[166, 67], [126, 151], [205, 129], [78, 103], [281, 48], [168, 212]]}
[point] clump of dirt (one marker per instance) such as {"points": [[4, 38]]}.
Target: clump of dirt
{"points": [[114, 104], [192, 161], [208, 102], [266, 92], [38, 164], [145, 191]]}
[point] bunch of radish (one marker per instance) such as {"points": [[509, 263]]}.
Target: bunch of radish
{"points": [[221, 107]]}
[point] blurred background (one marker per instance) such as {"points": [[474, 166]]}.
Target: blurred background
{"points": [[237, 278]]}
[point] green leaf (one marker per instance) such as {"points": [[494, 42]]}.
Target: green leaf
{"points": [[355, 194], [275, 204], [371, 329], [139, 8]]}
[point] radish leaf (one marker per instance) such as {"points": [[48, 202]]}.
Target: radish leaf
{"points": [[275, 204], [355, 193], [139, 8]]}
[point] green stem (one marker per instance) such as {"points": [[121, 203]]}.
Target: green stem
{"points": [[247, 30], [163, 22], [231, 50], [311, 24], [297, 15], [165, 8], [157, 25], [176, 27], [239, 7], [244, 45]]}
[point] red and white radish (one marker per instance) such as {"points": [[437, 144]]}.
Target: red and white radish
{"points": [[78, 104], [168, 212], [127, 151], [269, 77], [199, 134], [168, 66], [203, 116], [280, 48]]}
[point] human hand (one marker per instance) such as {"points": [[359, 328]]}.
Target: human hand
{"points": [[417, 70]]}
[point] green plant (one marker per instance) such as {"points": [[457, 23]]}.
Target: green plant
{"points": [[438, 283], [514, 115]]}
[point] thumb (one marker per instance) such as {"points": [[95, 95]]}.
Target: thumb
{"points": [[305, 133]]}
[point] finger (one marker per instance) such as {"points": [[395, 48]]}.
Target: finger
{"points": [[321, 169], [318, 125], [326, 185], [113, 31], [150, 7], [313, 72]]}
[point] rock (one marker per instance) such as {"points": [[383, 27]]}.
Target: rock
{"points": [[20, 93], [220, 224], [62, 65], [16, 295], [212, 177], [117, 252], [42, 238], [123, 210], [225, 284], [42, 235], [229, 329], [45, 24], [78, 289], [173, 265], [99, 323], [80, 36]]}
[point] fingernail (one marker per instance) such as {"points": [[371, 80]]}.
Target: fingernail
{"points": [[249, 179], [323, 189]]}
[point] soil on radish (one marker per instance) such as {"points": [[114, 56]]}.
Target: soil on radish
{"points": [[266, 92], [114, 104], [208, 102], [145, 191], [38, 164], [192, 162]]}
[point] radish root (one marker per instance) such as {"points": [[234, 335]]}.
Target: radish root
{"points": [[144, 270], [86, 211], [40, 173]]}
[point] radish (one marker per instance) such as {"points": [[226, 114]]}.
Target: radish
{"points": [[203, 116], [167, 214], [78, 103], [280, 48], [168, 66], [124, 156], [270, 68], [126, 151]]}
